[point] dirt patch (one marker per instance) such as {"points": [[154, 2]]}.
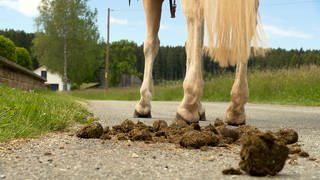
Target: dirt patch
{"points": [[262, 153]]}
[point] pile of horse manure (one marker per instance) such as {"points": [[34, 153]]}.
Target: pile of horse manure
{"points": [[262, 153], [92, 130], [232, 171], [288, 135], [191, 137], [197, 139]]}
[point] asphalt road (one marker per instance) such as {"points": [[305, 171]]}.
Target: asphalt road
{"points": [[62, 156], [260, 115], [305, 120]]}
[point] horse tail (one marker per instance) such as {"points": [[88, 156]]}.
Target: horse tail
{"points": [[233, 27]]}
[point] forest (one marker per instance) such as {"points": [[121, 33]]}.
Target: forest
{"points": [[170, 61]]}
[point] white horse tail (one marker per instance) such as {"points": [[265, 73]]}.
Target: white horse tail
{"points": [[232, 29]]}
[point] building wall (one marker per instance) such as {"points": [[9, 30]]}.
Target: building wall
{"points": [[14, 75], [52, 78], [130, 80]]}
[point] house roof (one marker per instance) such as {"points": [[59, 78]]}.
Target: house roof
{"points": [[12, 65]]}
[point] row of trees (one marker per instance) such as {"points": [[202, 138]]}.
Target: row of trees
{"points": [[170, 62], [281, 58]]}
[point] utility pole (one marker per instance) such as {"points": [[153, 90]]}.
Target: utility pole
{"points": [[65, 46], [106, 68]]}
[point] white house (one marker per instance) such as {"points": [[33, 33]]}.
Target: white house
{"points": [[54, 80]]}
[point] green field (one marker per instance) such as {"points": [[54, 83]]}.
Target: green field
{"points": [[32, 113], [300, 86]]}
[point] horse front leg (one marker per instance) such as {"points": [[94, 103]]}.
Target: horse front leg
{"points": [[152, 9], [235, 114], [188, 110]]}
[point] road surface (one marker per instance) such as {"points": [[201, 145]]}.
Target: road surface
{"points": [[62, 156]]}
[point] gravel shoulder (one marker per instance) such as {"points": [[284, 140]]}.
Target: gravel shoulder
{"points": [[63, 156]]}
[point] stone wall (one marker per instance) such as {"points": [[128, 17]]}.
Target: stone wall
{"points": [[14, 75]]}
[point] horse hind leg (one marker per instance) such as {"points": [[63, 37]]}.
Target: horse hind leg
{"points": [[188, 110], [152, 10], [202, 112], [235, 114]]}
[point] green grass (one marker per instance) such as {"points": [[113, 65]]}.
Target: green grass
{"points": [[299, 86], [109, 94], [294, 87], [32, 113]]}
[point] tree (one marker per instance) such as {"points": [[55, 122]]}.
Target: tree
{"points": [[122, 61], [7, 48], [67, 40], [23, 58], [21, 39]]}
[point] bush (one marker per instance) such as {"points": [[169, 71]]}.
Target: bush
{"points": [[7, 48], [23, 58], [74, 86]]}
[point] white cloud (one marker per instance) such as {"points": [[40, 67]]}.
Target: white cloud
{"points": [[277, 31], [26, 7], [118, 21]]}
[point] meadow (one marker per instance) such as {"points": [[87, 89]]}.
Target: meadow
{"points": [[32, 113], [295, 86]]}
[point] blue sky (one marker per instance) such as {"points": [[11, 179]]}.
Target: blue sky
{"points": [[289, 24]]}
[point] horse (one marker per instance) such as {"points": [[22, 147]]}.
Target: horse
{"points": [[232, 32]]}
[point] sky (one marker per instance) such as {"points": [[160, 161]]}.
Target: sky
{"points": [[289, 24]]}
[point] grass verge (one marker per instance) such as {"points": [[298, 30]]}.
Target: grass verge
{"points": [[31, 113], [300, 86]]}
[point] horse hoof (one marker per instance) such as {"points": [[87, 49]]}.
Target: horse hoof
{"points": [[203, 117], [180, 122], [235, 123], [136, 114]]}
